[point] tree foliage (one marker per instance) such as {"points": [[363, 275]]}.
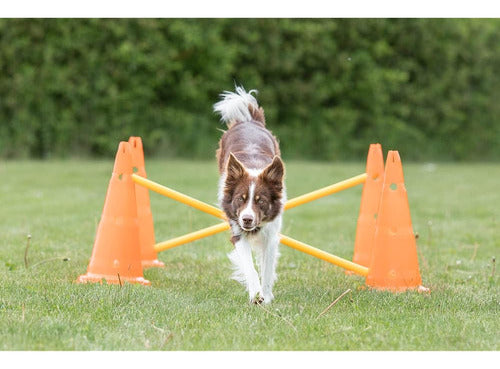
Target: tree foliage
{"points": [[428, 87]]}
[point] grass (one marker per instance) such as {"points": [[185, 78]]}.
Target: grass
{"points": [[194, 305]]}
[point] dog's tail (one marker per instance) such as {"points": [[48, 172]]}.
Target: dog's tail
{"points": [[239, 106]]}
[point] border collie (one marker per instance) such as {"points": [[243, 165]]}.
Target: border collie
{"points": [[251, 191]]}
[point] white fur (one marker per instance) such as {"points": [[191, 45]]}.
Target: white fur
{"points": [[234, 105], [254, 172], [222, 183], [268, 257], [265, 244], [232, 108], [244, 270], [248, 211]]}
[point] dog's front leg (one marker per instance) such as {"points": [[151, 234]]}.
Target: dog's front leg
{"points": [[269, 258], [245, 272]]}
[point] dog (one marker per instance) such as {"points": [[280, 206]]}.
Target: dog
{"points": [[251, 191]]}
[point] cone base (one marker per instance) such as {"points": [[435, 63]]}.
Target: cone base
{"points": [[393, 289], [111, 279], [153, 264], [420, 289]]}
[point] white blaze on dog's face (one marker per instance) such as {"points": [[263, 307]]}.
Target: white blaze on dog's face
{"points": [[252, 196]]}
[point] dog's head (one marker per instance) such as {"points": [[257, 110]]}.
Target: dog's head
{"points": [[253, 197]]}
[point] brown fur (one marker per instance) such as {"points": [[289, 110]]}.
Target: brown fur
{"points": [[267, 194], [257, 114], [251, 190], [249, 145], [237, 140]]}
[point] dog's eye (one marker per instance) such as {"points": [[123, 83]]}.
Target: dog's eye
{"points": [[240, 199], [261, 201]]}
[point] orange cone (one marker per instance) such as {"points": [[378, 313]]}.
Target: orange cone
{"points": [[394, 264], [116, 256], [146, 226], [370, 201]]}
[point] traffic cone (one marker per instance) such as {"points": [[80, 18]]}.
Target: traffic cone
{"points": [[394, 263], [116, 256], [146, 226], [370, 201]]}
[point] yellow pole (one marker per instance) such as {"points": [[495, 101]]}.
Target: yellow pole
{"points": [[323, 255], [325, 191], [190, 237], [200, 205], [165, 191], [300, 200]]}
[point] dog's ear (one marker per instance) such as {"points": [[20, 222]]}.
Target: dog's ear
{"points": [[274, 173], [235, 170]]}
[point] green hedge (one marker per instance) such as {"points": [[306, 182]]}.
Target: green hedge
{"points": [[75, 87]]}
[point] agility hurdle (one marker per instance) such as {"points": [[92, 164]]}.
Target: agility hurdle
{"points": [[384, 251], [300, 200]]}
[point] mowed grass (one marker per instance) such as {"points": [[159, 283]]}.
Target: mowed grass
{"points": [[194, 305]]}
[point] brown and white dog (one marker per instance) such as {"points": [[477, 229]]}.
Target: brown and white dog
{"points": [[251, 191]]}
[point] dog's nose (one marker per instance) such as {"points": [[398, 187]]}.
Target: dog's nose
{"points": [[247, 221]]}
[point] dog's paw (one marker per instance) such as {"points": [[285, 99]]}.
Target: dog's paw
{"points": [[267, 298], [257, 300], [254, 291]]}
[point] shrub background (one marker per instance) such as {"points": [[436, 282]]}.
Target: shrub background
{"points": [[75, 87]]}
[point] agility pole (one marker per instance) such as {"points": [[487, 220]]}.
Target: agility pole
{"points": [[323, 255], [200, 205], [168, 192], [325, 191], [190, 237], [285, 240], [296, 201]]}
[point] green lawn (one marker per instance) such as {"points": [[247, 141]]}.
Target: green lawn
{"points": [[194, 305]]}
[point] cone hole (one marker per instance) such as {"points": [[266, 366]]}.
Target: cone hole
{"points": [[375, 216], [135, 169], [120, 176], [393, 186], [134, 142]]}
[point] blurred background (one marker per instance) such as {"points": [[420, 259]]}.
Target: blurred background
{"points": [[330, 87]]}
